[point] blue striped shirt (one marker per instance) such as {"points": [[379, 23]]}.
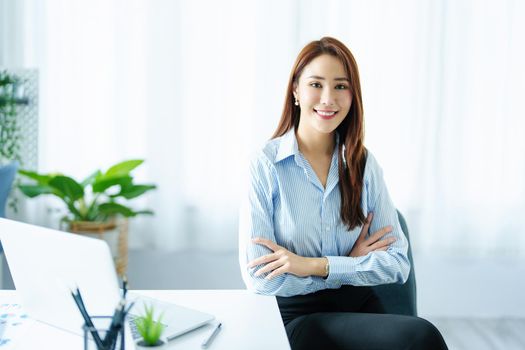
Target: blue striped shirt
{"points": [[286, 203]]}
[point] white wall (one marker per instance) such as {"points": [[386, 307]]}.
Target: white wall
{"points": [[195, 86]]}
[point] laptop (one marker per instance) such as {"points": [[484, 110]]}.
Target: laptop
{"points": [[46, 264]]}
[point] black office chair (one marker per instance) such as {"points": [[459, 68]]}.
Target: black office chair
{"points": [[400, 299]]}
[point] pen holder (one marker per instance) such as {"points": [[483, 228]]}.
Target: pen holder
{"points": [[102, 327]]}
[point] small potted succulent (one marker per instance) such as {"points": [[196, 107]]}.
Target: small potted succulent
{"points": [[97, 206], [149, 328]]}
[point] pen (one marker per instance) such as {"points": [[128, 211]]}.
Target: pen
{"points": [[208, 341], [116, 324], [80, 303], [129, 308], [124, 286]]}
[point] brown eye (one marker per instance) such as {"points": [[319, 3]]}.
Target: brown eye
{"points": [[315, 85], [341, 87]]}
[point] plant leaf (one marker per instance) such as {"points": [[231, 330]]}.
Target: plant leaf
{"points": [[141, 325], [133, 191], [156, 331], [90, 179], [110, 209], [144, 212], [69, 187], [41, 179], [102, 183], [35, 190], [123, 168]]}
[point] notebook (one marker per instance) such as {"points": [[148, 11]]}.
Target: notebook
{"points": [[46, 264]]}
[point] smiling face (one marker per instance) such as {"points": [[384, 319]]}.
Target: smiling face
{"points": [[323, 92]]}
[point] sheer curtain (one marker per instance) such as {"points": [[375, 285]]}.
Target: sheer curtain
{"points": [[195, 86]]}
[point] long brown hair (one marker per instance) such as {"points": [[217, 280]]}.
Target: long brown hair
{"points": [[351, 129]]}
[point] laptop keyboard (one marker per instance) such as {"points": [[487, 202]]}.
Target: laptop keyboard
{"points": [[133, 326]]}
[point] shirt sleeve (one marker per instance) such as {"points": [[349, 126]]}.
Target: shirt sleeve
{"points": [[256, 220], [379, 267]]}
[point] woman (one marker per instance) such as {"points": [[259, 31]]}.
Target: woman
{"points": [[319, 226]]}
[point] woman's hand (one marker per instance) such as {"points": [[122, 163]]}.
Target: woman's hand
{"points": [[364, 245], [283, 261]]}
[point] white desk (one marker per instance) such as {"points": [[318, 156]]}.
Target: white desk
{"points": [[249, 321]]}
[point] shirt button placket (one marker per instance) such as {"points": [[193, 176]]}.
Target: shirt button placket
{"points": [[324, 228]]}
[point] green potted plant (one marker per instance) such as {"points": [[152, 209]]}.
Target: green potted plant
{"points": [[9, 128], [149, 328], [95, 204]]}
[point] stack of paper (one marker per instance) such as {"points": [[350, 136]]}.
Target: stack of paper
{"points": [[13, 322]]}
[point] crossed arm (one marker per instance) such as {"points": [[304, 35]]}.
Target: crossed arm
{"points": [[283, 261]]}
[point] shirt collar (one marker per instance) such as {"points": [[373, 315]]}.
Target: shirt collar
{"points": [[287, 146]]}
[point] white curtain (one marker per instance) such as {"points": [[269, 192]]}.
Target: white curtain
{"points": [[194, 87]]}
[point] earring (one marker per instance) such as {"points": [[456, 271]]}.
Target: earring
{"points": [[296, 102]]}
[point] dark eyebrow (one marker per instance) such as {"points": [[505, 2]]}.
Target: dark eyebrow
{"points": [[321, 78]]}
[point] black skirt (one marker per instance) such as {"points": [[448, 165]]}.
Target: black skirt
{"points": [[352, 318]]}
